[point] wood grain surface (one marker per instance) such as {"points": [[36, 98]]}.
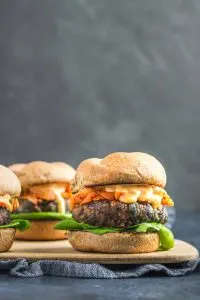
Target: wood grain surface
{"points": [[62, 250]]}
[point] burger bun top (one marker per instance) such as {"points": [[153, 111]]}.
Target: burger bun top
{"points": [[16, 168], [9, 183], [120, 168], [40, 172]]}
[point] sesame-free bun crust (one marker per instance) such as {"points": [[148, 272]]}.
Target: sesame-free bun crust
{"points": [[120, 168], [9, 183], [114, 242], [6, 238], [59, 163], [16, 168], [40, 172], [41, 230]]}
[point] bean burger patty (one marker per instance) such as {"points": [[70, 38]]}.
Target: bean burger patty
{"points": [[117, 214], [27, 206], [4, 216]]}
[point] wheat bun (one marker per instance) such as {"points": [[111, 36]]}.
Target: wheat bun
{"points": [[16, 168], [114, 242], [41, 230], [6, 238], [59, 163], [40, 172], [120, 168], [9, 183]]}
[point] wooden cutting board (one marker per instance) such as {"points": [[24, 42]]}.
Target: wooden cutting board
{"points": [[62, 250]]}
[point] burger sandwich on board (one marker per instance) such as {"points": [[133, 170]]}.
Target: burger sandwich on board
{"points": [[46, 189], [9, 191], [119, 205]]}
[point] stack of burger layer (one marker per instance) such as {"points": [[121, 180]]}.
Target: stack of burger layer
{"points": [[44, 198], [119, 205]]}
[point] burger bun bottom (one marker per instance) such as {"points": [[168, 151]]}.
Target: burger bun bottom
{"points": [[41, 230], [126, 242], [6, 238]]}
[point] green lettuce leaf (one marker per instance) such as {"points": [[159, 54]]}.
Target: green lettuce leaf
{"points": [[40, 216], [21, 225], [166, 236]]}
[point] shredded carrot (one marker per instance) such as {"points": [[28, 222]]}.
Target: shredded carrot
{"points": [[107, 195], [117, 195], [4, 204], [167, 202]]}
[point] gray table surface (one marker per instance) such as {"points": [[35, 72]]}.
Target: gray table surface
{"points": [[150, 287]]}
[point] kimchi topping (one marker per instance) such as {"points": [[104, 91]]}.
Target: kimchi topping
{"points": [[156, 196]]}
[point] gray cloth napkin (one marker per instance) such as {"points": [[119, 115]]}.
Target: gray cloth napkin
{"points": [[24, 268]]}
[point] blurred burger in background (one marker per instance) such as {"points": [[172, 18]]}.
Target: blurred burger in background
{"points": [[16, 168], [59, 163], [119, 205], [46, 190]]}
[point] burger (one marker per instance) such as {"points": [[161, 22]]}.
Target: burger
{"points": [[9, 191], [46, 190], [119, 205], [16, 168]]}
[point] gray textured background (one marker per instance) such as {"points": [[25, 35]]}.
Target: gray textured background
{"points": [[87, 77]]}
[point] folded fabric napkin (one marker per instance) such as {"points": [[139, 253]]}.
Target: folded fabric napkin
{"points": [[24, 268]]}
